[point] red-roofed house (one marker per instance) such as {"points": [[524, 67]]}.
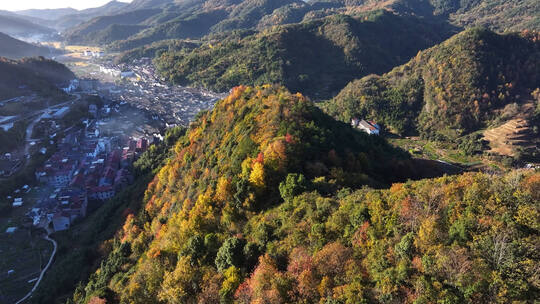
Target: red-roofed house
{"points": [[102, 193]]}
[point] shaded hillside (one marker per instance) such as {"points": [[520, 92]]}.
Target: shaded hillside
{"points": [[448, 90], [318, 57], [94, 28], [113, 33], [193, 26], [32, 75], [183, 19], [154, 49], [15, 49], [261, 203]]}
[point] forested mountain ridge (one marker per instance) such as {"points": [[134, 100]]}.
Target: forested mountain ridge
{"points": [[183, 19], [317, 57], [234, 163], [449, 90], [195, 19], [261, 201]]}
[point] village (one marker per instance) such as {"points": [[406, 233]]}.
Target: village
{"points": [[89, 163], [138, 84], [89, 166], [84, 151]]}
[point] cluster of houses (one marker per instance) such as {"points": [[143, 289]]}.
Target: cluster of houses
{"points": [[367, 126], [81, 85], [85, 168], [95, 54], [116, 72]]}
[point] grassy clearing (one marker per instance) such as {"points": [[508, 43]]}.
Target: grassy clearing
{"points": [[81, 48], [421, 148]]}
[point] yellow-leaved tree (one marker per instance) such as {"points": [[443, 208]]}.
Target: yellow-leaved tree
{"points": [[256, 177]]}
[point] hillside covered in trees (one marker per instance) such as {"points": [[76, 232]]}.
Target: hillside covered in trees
{"points": [[317, 57], [138, 25], [264, 200], [36, 75], [449, 90], [182, 19]]}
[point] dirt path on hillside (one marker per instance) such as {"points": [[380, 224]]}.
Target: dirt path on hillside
{"points": [[55, 246]]}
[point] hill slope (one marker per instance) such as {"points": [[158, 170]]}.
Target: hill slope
{"points": [[32, 75], [14, 49], [251, 208], [449, 90], [497, 15], [318, 57], [89, 30]]}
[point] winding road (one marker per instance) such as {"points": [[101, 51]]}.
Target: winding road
{"points": [[55, 245]]}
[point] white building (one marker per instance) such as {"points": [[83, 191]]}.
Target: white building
{"points": [[367, 126]]}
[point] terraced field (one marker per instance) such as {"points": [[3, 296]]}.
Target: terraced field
{"points": [[514, 133]]}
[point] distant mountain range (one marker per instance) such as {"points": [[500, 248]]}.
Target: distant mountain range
{"points": [[53, 20], [124, 26], [18, 26], [48, 14], [70, 20]]}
